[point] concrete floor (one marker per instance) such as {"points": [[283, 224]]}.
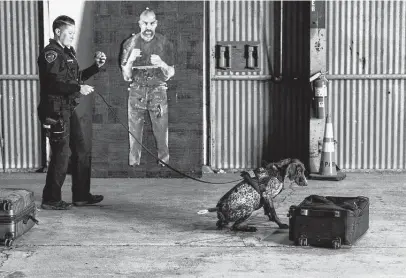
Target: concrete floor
{"points": [[149, 228]]}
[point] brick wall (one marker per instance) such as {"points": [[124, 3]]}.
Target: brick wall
{"points": [[182, 23]]}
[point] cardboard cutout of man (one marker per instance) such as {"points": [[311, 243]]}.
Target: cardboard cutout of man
{"points": [[147, 63]]}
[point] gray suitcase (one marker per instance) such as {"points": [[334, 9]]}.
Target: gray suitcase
{"points": [[17, 214]]}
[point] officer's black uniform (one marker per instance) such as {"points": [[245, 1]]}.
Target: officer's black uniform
{"points": [[60, 80]]}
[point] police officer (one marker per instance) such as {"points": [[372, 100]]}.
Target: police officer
{"points": [[147, 63], [61, 86]]}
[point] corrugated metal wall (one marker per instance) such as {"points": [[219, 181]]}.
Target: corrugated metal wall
{"points": [[19, 85], [238, 116], [367, 38], [240, 123], [254, 118]]}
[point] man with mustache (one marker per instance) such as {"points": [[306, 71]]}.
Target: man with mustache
{"points": [[61, 87], [146, 62]]}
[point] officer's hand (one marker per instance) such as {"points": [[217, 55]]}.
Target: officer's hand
{"points": [[86, 89], [100, 58], [156, 60], [135, 53]]}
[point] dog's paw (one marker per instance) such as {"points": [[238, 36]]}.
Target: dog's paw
{"points": [[220, 225], [283, 226]]}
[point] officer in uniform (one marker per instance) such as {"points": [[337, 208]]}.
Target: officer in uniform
{"points": [[61, 84], [146, 61]]}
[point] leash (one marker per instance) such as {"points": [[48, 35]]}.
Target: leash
{"points": [[149, 152], [289, 194]]}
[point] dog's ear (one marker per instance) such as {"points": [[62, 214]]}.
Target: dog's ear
{"points": [[295, 169], [291, 171], [296, 172]]}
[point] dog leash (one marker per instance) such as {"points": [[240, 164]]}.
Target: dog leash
{"points": [[149, 152]]}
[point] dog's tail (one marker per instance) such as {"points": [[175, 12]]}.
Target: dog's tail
{"points": [[204, 211]]}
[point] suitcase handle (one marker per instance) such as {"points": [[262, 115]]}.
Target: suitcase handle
{"points": [[320, 213], [25, 221]]}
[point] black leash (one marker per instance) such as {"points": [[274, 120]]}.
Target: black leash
{"points": [[149, 152]]}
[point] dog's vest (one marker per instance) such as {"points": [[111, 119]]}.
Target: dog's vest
{"points": [[249, 179]]}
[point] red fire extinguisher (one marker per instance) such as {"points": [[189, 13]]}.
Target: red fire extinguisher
{"points": [[320, 94]]}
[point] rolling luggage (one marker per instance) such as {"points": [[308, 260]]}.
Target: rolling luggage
{"points": [[17, 214], [328, 221]]}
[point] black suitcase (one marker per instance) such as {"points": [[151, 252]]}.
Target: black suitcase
{"points": [[328, 221], [17, 214]]}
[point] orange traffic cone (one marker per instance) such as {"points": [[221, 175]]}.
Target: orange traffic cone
{"points": [[328, 168]]}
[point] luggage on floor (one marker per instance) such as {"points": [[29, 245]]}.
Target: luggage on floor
{"points": [[17, 214], [328, 221]]}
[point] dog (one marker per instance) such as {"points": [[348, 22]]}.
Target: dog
{"points": [[255, 191]]}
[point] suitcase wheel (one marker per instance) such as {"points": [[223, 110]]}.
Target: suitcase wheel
{"points": [[8, 242], [6, 205], [336, 243], [302, 241]]}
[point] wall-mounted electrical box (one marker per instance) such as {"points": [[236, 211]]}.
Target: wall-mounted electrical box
{"points": [[251, 56], [223, 56], [240, 56]]}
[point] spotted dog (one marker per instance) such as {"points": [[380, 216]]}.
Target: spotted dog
{"points": [[255, 191]]}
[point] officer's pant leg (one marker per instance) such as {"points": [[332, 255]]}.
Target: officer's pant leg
{"points": [[158, 111], [136, 113], [81, 161], [58, 165]]}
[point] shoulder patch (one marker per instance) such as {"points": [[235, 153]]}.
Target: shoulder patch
{"points": [[50, 56]]}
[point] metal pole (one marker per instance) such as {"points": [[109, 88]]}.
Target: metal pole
{"points": [[365, 76], [19, 77], [242, 77]]}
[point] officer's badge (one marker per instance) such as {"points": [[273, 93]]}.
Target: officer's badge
{"points": [[50, 56]]}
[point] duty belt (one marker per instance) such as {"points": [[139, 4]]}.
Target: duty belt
{"points": [[61, 103], [63, 99]]}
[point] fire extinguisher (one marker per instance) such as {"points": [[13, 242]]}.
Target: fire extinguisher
{"points": [[320, 94]]}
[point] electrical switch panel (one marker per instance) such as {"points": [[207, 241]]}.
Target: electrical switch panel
{"points": [[240, 56]]}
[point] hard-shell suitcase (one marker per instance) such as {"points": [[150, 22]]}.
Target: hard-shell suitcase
{"points": [[17, 214], [328, 221]]}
